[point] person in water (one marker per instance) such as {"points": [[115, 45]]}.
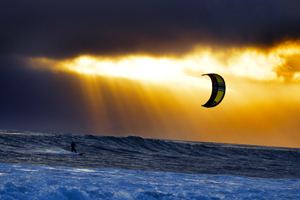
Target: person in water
{"points": [[73, 147]]}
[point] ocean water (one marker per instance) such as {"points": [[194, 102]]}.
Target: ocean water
{"points": [[40, 166]]}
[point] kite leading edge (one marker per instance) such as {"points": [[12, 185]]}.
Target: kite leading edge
{"points": [[218, 90]]}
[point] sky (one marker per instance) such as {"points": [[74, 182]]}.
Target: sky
{"points": [[120, 68]]}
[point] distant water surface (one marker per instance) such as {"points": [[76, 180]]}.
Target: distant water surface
{"points": [[137, 153]]}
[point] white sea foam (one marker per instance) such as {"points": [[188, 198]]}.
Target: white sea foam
{"points": [[49, 151], [44, 182]]}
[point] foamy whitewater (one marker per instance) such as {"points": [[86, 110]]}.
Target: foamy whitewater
{"points": [[41, 166]]}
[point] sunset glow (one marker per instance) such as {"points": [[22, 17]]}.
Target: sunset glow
{"points": [[157, 92]]}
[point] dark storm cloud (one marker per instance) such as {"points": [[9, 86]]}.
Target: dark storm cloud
{"points": [[39, 100], [63, 28]]}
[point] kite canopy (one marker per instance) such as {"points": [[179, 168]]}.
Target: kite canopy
{"points": [[218, 90]]}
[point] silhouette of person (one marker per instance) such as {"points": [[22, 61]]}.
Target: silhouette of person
{"points": [[73, 147]]}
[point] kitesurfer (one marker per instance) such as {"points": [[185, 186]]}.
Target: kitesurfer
{"points": [[73, 147]]}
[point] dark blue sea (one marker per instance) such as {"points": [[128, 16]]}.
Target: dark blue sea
{"points": [[35, 165]]}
